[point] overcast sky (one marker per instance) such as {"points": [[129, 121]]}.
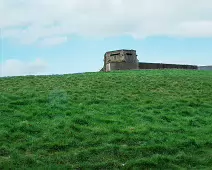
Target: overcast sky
{"points": [[68, 36]]}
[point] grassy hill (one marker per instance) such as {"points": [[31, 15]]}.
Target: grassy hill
{"points": [[159, 119]]}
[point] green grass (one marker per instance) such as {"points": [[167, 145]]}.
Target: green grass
{"points": [[158, 119]]}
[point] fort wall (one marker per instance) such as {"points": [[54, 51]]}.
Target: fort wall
{"points": [[127, 60], [166, 66], [123, 66], [205, 67], [120, 60]]}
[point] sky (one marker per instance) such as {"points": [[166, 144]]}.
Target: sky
{"points": [[39, 37]]}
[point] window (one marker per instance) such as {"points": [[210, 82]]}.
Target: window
{"points": [[115, 54]]}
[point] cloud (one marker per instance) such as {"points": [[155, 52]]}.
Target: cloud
{"points": [[52, 41], [15, 67], [200, 29], [31, 21]]}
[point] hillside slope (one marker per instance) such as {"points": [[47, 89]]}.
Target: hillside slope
{"points": [[124, 120]]}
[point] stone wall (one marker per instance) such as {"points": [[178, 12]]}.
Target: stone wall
{"points": [[165, 66], [127, 60], [205, 67], [122, 66], [120, 60]]}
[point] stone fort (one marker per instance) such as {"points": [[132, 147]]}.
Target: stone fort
{"points": [[127, 60]]}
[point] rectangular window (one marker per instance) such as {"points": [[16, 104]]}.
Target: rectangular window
{"points": [[115, 54]]}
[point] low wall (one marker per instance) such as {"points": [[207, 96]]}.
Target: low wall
{"points": [[165, 66], [205, 67]]}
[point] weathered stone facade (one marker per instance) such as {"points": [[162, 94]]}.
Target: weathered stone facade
{"points": [[120, 60]]}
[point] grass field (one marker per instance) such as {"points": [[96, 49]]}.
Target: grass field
{"points": [[150, 119]]}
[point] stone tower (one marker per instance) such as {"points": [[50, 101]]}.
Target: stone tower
{"points": [[120, 60]]}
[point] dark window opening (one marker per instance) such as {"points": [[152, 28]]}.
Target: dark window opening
{"points": [[115, 54], [129, 54]]}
